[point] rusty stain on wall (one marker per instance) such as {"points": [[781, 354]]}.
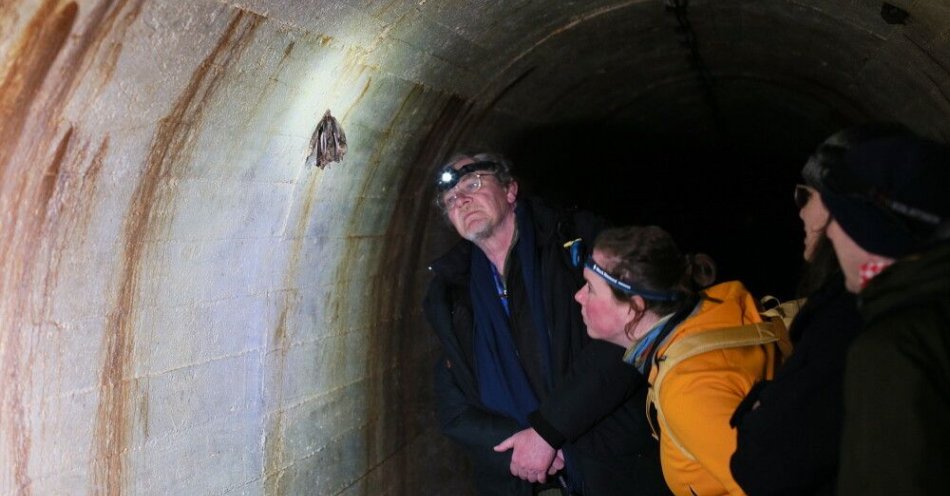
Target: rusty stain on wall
{"points": [[70, 207], [274, 436], [105, 24], [54, 189], [90, 183], [287, 50], [358, 99], [257, 106], [274, 458], [30, 62], [35, 86], [68, 215], [51, 174], [151, 209], [115, 20], [45, 67], [66, 225]]}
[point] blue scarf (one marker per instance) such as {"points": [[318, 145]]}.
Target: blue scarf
{"points": [[502, 382], [639, 352], [643, 353]]}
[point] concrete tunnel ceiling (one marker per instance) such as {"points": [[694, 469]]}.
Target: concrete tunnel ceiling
{"points": [[188, 308]]}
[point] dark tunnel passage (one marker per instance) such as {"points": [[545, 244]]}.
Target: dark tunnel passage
{"points": [[191, 307], [709, 150], [726, 192]]}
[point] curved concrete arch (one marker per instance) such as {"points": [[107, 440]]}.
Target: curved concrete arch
{"points": [[188, 308]]}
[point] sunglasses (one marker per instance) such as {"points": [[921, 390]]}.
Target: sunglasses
{"points": [[802, 195]]}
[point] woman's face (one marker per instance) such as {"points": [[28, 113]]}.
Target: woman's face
{"points": [[850, 256], [815, 217], [605, 316]]}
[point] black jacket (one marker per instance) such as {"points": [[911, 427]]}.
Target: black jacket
{"points": [[597, 401], [788, 444], [897, 383]]}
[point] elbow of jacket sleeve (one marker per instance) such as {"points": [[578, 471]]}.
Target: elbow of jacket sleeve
{"points": [[547, 431]]}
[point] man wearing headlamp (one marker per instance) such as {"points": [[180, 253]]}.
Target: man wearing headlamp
{"points": [[535, 402]]}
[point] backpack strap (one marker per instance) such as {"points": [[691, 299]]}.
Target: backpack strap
{"points": [[755, 334], [781, 314]]}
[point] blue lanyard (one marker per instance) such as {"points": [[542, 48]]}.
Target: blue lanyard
{"points": [[500, 287]]}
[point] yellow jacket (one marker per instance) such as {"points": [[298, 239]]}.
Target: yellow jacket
{"points": [[699, 395]]}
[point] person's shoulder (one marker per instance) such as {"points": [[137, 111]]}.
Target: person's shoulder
{"points": [[910, 341], [727, 291], [889, 360], [565, 223], [453, 264], [723, 305], [834, 310], [908, 325]]}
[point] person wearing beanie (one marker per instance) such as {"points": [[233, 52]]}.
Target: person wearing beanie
{"points": [[889, 199], [788, 429]]}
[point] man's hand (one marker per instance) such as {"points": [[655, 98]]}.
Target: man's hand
{"points": [[558, 464], [532, 458]]}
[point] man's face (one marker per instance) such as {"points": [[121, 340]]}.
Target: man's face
{"points": [[850, 256], [476, 215]]}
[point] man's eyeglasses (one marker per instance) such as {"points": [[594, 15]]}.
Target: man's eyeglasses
{"points": [[802, 195], [466, 186]]}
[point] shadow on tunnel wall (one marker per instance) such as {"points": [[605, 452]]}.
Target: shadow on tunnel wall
{"points": [[726, 192]]}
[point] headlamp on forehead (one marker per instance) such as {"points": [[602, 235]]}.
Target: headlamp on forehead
{"points": [[629, 289], [449, 177]]}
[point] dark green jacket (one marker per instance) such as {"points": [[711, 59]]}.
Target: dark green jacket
{"points": [[897, 383]]}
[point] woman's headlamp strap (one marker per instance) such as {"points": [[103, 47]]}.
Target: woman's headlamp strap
{"points": [[449, 177], [628, 288]]}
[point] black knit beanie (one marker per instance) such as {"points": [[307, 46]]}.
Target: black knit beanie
{"points": [[891, 195]]}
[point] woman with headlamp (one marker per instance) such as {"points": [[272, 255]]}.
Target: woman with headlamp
{"points": [[643, 294]]}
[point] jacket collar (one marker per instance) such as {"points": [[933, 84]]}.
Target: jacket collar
{"points": [[908, 282]]}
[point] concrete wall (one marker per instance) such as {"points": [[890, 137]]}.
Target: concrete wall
{"points": [[187, 308]]}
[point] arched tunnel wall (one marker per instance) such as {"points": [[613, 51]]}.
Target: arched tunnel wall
{"points": [[189, 308]]}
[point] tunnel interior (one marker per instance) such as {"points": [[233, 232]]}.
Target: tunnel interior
{"points": [[709, 154], [725, 193], [191, 308]]}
